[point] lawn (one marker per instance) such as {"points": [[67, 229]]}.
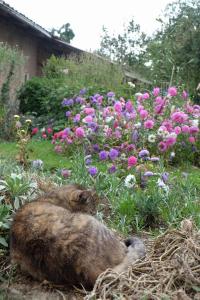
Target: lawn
{"points": [[37, 150]]}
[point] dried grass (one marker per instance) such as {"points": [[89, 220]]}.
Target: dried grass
{"points": [[171, 270]]}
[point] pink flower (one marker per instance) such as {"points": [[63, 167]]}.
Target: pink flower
{"points": [[159, 100], [172, 91], [162, 146], [49, 130], [156, 91], [145, 96], [44, 135], [185, 129], [191, 139], [168, 125], [80, 133], [148, 124], [140, 107], [87, 119], [129, 106], [58, 149], [117, 134], [118, 106], [177, 129], [184, 95], [100, 99], [89, 110], [194, 129], [159, 109], [132, 161], [179, 117], [34, 130], [143, 114], [170, 141]]}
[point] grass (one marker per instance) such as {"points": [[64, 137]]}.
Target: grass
{"points": [[37, 150]]}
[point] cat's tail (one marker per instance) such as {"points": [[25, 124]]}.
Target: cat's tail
{"points": [[136, 250]]}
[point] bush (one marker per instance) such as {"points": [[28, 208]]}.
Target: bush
{"points": [[64, 78]]}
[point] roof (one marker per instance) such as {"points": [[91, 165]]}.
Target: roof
{"points": [[39, 30]]}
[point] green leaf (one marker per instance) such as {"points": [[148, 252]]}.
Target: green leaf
{"points": [[3, 242]]}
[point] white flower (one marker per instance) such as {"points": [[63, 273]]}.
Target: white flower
{"points": [[138, 125], [152, 138], [43, 129], [89, 131], [131, 84], [195, 122], [130, 181], [138, 95], [162, 132], [109, 119], [172, 154], [28, 121], [172, 134]]}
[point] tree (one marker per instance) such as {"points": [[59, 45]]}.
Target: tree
{"points": [[65, 33], [124, 48], [174, 51]]}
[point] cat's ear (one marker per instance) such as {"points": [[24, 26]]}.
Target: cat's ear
{"points": [[83, 197]]}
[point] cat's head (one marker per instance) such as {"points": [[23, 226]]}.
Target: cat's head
{"points": [[77, 198]]}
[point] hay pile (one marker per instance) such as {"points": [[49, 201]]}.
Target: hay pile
{"points": [[170, 271]]}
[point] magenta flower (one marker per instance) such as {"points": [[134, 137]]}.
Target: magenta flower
{"points": [[129, 106], [156, 91], [143, 114], [162, 146], [87, 119], [80, 133], [172, 91], [148, 124], [118, 106], [89, 110], [132, 161], [194, 129], [191, 139], [184, 95], [179, 117], [170, 141], [177, 129], [159, 100], [77, 118], [145, 96], [185, 129]]}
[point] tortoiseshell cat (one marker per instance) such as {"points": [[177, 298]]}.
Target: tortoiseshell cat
{"points": [[60, 244]]}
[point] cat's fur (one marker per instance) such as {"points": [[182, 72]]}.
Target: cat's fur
{"points": [[56, 242]]}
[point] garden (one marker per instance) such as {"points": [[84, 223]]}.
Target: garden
{"points": [[137, 145]]}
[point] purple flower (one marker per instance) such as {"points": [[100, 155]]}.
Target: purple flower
{"points": [[113, 153], [165, 177], [66, 131], [37, 164], [143, 153], [83, 91], [155, 159], [88, 161], [92, 170], [79, 100], [96, 147], [148, 174], [112, 169], [103, 155], [77, 118], [68, 113], [135, 136], [110, 94]]}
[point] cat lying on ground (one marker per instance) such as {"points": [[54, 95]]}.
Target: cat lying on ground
{"points": [[54, 240]]}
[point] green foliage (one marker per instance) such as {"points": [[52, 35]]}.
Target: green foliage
{"points": [[63, 78], [65, 33]]}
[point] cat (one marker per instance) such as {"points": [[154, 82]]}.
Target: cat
{"points": [[56, 240], [73, 197]]}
